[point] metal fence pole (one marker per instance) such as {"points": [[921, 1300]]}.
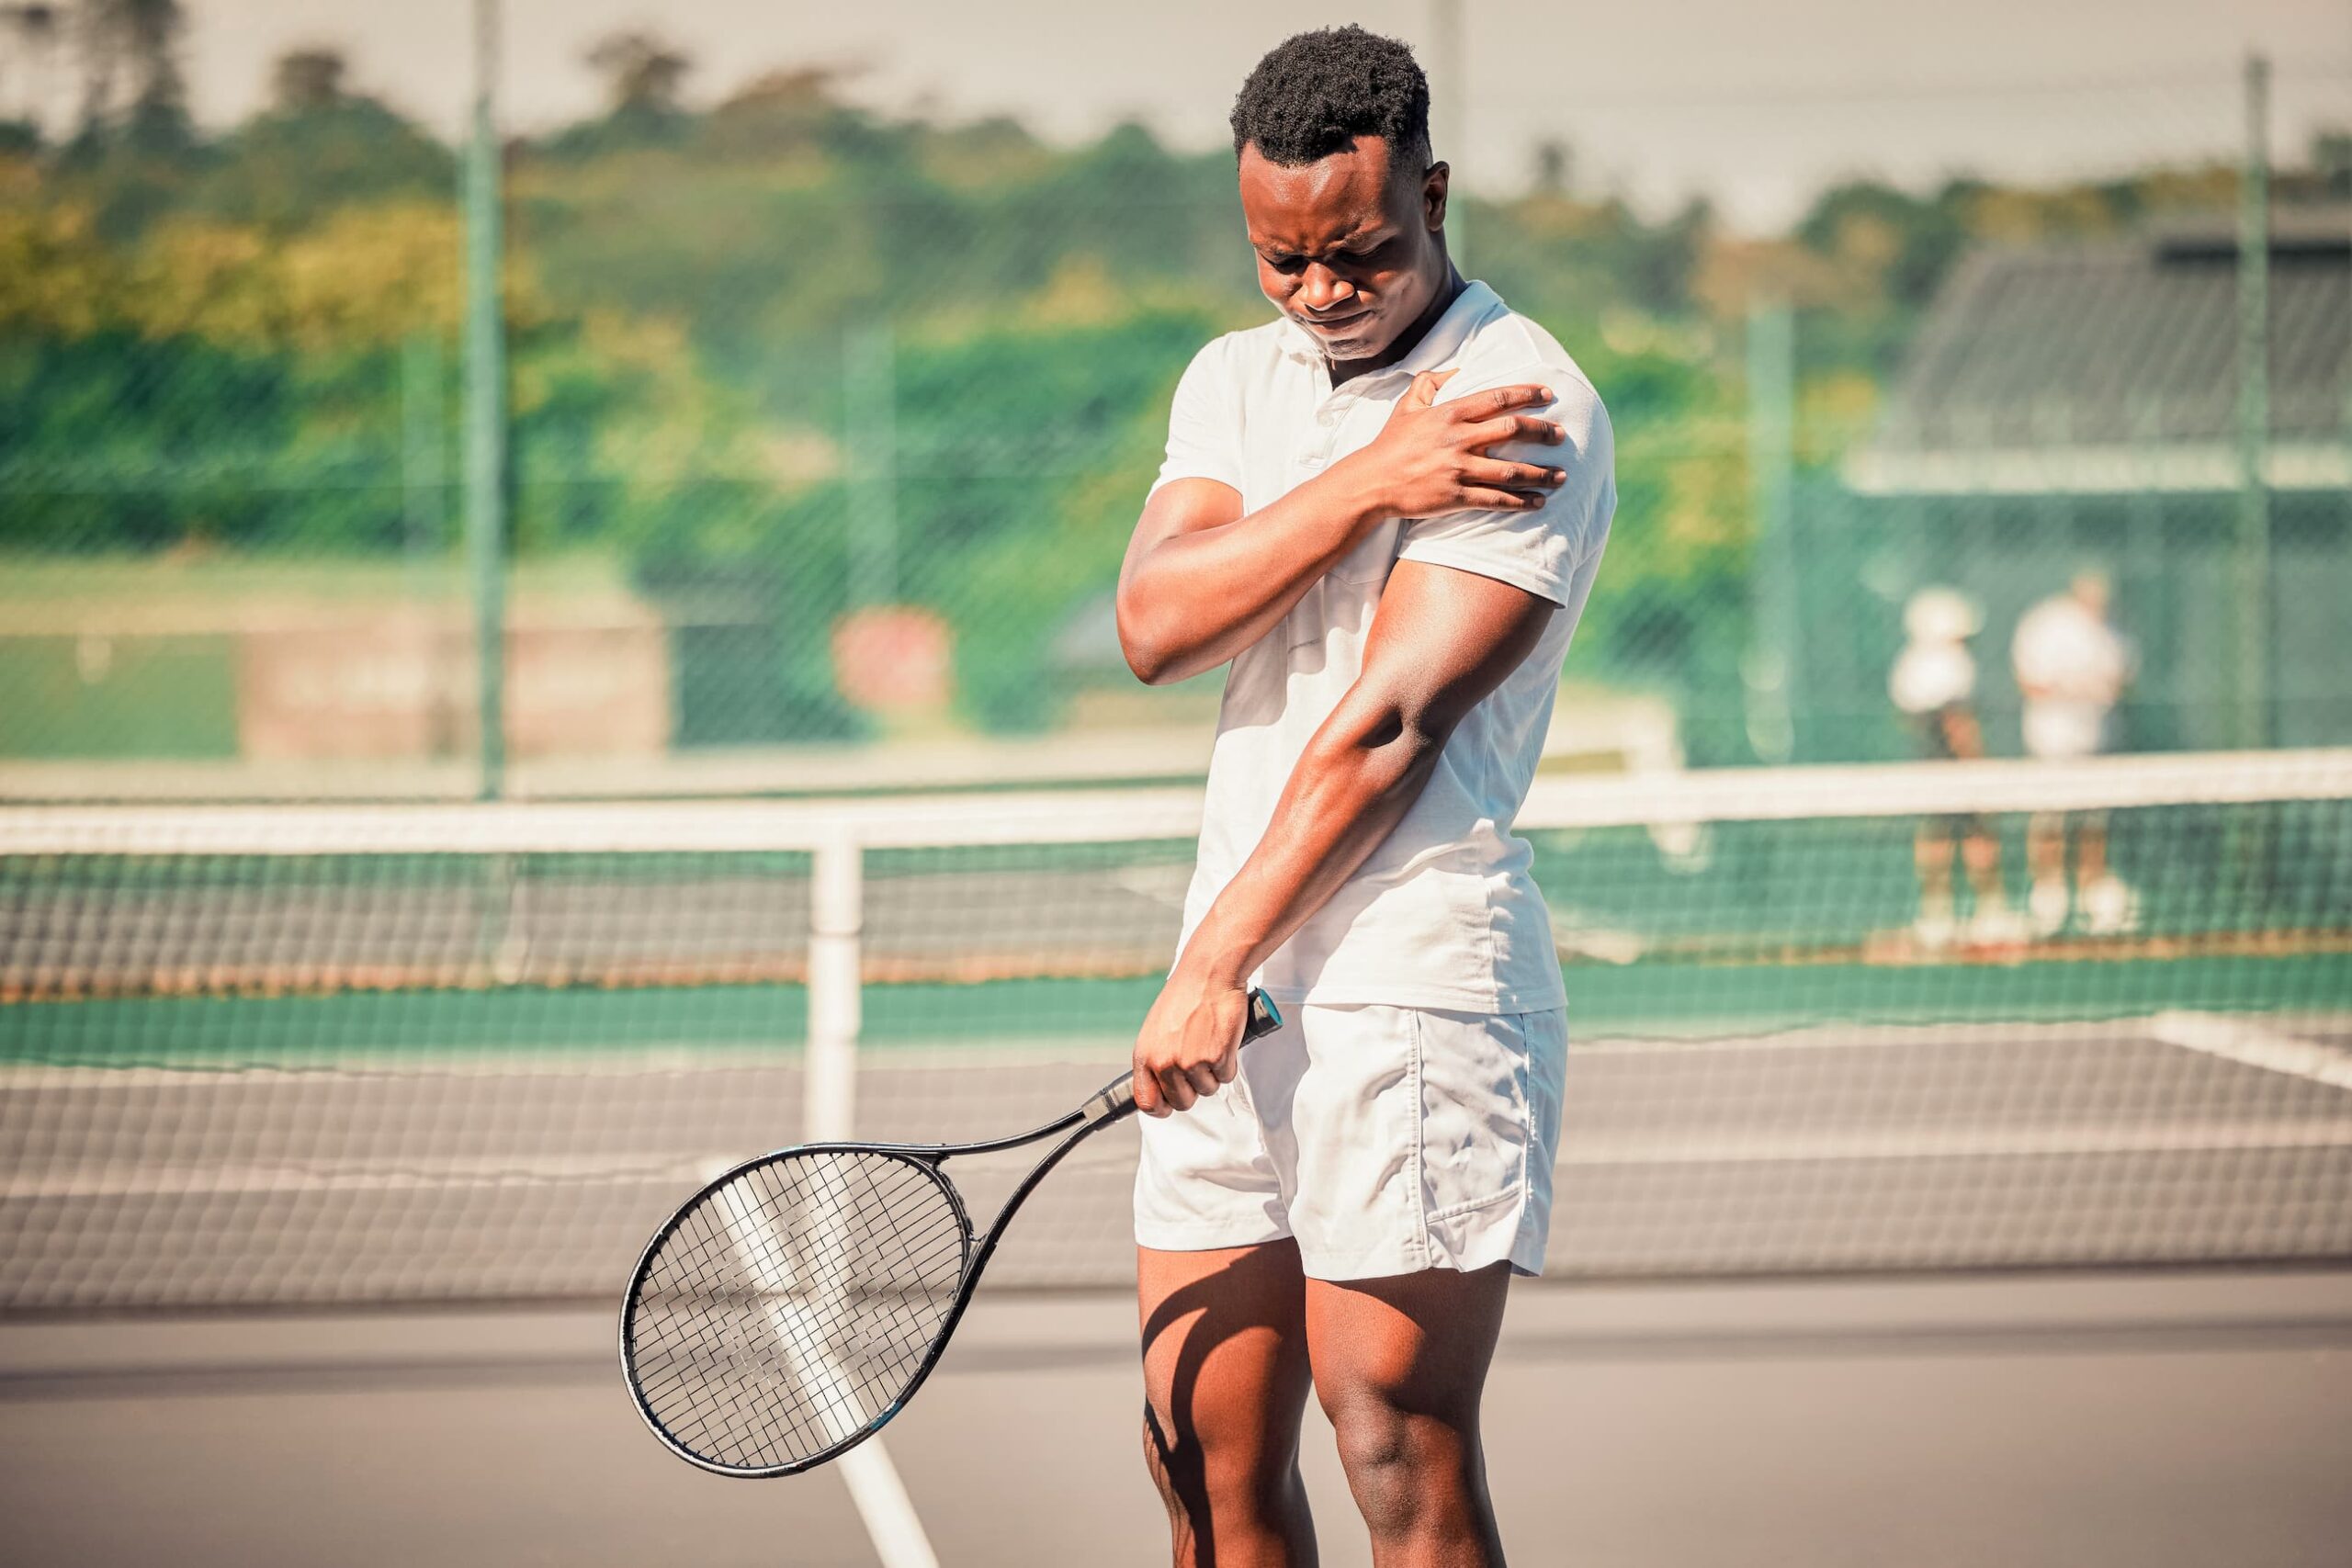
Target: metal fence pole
{"points": [[1771, 664], [870, 398], [2252, 604], [1450, 109], [486, 453]]}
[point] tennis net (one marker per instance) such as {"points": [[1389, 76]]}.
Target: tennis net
{"points": [[343, 1055]]}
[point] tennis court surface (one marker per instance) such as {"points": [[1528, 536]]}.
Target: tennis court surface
{"points": [[2133, 1421]]}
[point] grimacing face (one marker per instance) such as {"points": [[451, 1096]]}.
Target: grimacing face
{"points": [[1350, 255]]}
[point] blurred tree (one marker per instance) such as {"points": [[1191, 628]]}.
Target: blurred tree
{"points": [[35, 26], [644, 78], [133, 81], [320, 148], [1555, 165], [1899, 243], [305, 81], [643, 75]]}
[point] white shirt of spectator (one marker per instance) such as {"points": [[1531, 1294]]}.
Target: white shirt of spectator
{"points": [[2079, 664], [1930, 676], [1444, 913]]}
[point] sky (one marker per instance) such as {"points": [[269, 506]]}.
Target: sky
{"points": [[1756, 105]]}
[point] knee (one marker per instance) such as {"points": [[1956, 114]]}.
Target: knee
{"points": [[1204, 1468], [1404, 1466]]}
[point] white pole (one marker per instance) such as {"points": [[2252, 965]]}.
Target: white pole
{"points": [[828, 1115], [836, 917]]}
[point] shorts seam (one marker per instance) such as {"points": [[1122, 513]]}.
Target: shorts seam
{"points": [[1455, 1211], [1419, 1189], [1526, 1104]]}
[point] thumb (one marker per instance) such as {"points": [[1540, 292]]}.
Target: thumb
{"points": [[1423, 391]]}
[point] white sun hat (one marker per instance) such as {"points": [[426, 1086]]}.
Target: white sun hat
{"points": [[1941, 615]]}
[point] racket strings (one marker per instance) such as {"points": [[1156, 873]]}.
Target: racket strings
{"points": [[790, 1308]]}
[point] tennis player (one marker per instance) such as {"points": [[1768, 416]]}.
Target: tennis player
{"points": [[1384, 510]]}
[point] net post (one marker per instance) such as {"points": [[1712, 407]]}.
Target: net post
{"points": [[836, 920]]}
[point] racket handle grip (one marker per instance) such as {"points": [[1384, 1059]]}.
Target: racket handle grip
{"points": [[1117, 1099]]}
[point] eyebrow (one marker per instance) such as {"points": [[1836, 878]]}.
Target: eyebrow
{"points": [[1379, 233]]}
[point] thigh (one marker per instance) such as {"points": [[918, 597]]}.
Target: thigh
{"points": [[1415, 1344], [1225, 1353]]}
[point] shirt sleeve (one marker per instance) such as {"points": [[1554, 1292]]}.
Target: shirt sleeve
{"points": [[1540, 551], [1203, 423]]}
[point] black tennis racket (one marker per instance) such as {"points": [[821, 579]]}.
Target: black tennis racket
{"points": [[794, 1305]]}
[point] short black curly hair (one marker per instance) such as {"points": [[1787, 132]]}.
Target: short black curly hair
{"points": [[1316, 92]]}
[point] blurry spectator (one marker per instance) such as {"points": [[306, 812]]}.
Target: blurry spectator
{"points": [[1934, 685], [2072, 666]]}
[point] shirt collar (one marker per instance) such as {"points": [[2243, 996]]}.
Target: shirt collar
{"points": [[1440, 343]]}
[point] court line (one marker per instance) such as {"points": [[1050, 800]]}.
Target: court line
{"points": [[1734, 1148], [2238, 1040]]}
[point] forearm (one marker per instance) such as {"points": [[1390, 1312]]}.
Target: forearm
{"points": [[1189, 601], [1354, 783]]}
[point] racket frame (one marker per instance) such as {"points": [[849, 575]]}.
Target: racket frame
{"points": [[1113, 1103]]}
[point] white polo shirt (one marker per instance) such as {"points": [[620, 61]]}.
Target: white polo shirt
{"points": [[2080, 664], [1444, 913]]}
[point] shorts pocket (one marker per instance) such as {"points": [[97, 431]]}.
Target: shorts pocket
{"points": [[1475, 1124]]}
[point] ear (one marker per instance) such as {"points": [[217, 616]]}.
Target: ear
{"points": [[1433, 188]]}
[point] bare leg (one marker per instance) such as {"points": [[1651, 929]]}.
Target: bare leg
{"points": [[1981, 851], [2047, 898], [1225, 1378], [2090, 851], [1399, 1365], [2045, 846], [1931, 854]]}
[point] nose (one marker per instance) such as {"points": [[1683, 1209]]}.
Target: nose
{"points": [[1322, 290]]}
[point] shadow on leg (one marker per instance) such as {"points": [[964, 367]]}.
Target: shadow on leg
{"points": [[1399, 1365], [1225, 1381]]}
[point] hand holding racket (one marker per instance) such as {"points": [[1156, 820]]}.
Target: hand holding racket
{"points": [[794, 1305]]}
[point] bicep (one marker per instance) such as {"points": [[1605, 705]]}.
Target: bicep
{"points": [[1443, 639]]}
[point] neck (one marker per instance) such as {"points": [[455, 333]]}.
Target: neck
{"points": [[1405, 340]]}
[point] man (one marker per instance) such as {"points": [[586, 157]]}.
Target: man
{"points": [[1934, 687], [2072, 667], [1384, 508]]}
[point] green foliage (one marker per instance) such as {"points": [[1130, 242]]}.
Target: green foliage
{"points": [[248, 341], [289, 169]]}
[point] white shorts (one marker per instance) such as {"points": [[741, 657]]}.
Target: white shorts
{"points": [[1387, 1140]]}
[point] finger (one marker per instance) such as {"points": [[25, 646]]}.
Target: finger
{"points": [[1514, 427], [1423, 391], [1147, 1090], [1226, 1066], [1202, 1078], [1177, 1090], [1503, 474], [1481, 498], [1502, 399]]}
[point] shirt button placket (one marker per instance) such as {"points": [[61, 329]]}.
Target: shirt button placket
{"points": [[1330, 416]]}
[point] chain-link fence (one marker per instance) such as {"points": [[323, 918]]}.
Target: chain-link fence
{"points": [[827, 428]]}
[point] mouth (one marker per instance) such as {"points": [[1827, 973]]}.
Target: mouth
{"points": [[1329, 326]]}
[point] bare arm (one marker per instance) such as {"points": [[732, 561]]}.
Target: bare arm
{"points": [[1441, 641], [1201, 582]]}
